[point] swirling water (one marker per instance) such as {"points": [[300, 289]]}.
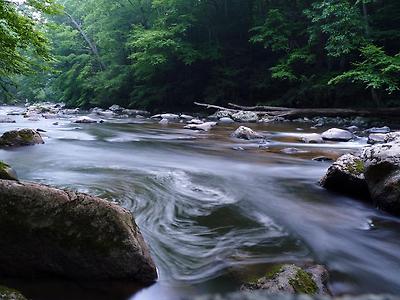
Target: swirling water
{"points": [[213, 216]]}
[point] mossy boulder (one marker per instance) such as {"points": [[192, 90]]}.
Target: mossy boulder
{"points": [[10, 294], [49, 231], [291, 279], [346, 176], [6, 172], [22, 137]]}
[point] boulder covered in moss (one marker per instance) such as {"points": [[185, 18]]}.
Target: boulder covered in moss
{"points": [[346, 176], [48, 231], [21, 137], [6, 172], [291, 279]]}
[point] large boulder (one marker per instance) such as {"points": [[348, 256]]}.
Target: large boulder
{"points": [[50, 231], [246, 133], [336, 134], [346, 176], [22, 137], [291, 279], [382, 173]]}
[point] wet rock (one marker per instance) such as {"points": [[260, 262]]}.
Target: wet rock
{"points": [[55, 123], [164, 122], [135, 112], [246, 133], [106, 113], [186, 117], [382, 173], [22, 137], [195, 121], [312, 138], [170, 117], [346, 176], [376, 138], [116, 108], [6, 172], [245, 116], [50, 231], [353, 128], [322, 159], [10, 294], [221, 114], [383, 129], [73, 111], [4, 119], [336, 134], [392, 137], [203, 127], [226, 120], [85, 120], [291, 279], [292, 151]]}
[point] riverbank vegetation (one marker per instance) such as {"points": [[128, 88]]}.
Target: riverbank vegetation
{"points": [[166, 54]]}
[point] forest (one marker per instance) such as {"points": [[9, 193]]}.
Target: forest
{"points": [[166, 54]]}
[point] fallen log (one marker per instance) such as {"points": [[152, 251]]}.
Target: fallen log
{"points": [[292, 113]]}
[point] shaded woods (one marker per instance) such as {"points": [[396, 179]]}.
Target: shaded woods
{"points": [[166, 54]]}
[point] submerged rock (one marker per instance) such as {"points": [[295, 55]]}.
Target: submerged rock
{"points": [[246, 133], [22, 137], [346, 176], [50, 231], [291, 279], [245, 116], [6, 172], [312, 138], [164, 122], [336, 134]]}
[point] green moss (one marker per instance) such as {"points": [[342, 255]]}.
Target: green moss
{"points": [[3, 166], [303, 283], [273, 271], [357, 167]]}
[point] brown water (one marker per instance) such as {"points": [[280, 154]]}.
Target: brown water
{"points": [[213, 216]]}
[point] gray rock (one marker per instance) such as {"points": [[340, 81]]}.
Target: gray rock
{"points": [[322, 159], [376, 138], [203, 127], [226, 120], [382, 173], [164, 122], [292, 151], [135, 112], [291, 279], [6, 172], [346, 176], [246, 133], [336, 134], [22, 137], [195, 121], [312, 138], [383, 129], [170, 117], [186, 117], [392, 137], [353, 128], [245, 116], [116, 108], [50, 231], [85, 120], [221, 114]]}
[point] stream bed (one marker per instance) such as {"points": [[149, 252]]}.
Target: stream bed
{"points": [[215, 210]]}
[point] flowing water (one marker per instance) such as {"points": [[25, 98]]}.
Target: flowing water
{"points": [[213, 214]]}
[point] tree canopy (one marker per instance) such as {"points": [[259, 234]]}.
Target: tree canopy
{"points": [[160, 54]]}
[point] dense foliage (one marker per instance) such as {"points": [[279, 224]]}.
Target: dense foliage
{"points": [[162, 54]]}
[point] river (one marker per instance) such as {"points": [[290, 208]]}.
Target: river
{"points": [[213, 214]]}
